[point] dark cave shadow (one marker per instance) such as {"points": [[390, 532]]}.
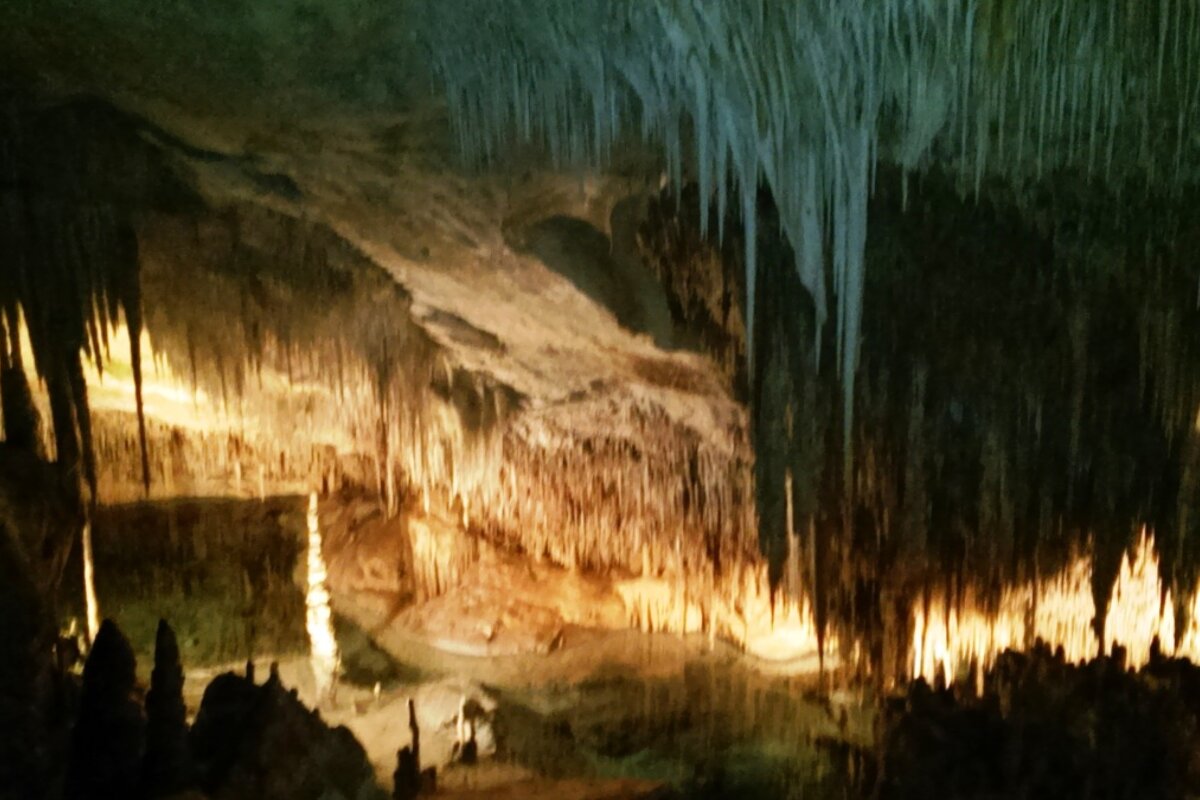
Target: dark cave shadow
{"points": [[365, 663], [611, 276]]}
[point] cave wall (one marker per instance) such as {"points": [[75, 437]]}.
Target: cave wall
{"points": [[1027, 392], [289, 340]]}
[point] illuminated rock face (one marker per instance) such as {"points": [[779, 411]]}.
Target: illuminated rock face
{"points": [[968, 634], [535, 420]]}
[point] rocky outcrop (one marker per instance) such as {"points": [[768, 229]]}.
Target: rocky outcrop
{"points": [[250, 742], [407, 779], [258, 741]]}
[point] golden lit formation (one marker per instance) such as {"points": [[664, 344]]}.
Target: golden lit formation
{"points": [[323, 648], [89, 585], [739, 610], [738, 607], [952, 638]]}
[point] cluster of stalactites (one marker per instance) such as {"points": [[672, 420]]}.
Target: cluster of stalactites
{"points": [[357, 372], [70, 271], [806, 97], [651, 500], [238, 328], [651, 497], [738, 606]]}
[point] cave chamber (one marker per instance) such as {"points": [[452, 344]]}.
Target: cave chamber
{"points": [[599, 399]]}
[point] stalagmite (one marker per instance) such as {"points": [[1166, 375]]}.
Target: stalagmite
{"points": [[323, 649], [167, 768], [92, 606]]}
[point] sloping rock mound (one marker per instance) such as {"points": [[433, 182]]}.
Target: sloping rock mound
{"points": [[254, 742]]}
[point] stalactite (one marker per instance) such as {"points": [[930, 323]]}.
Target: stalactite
{"points": [[990, 443], [788, 95], [73, 261], [650, 496]]}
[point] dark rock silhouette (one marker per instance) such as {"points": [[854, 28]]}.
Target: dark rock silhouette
{"points": [[469, 753], [107, 741], [224, 716], [407, 777], [1048, 728], [253, 742], [408, 780], [22, 665], [21, 421], [428, 781], [40, 520], [167, 768]]}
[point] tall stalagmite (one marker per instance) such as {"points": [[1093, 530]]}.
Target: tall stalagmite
{"points": [[167, 768], [109, 736]]}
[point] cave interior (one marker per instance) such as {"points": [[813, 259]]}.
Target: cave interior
{"points": [[599, 400]]}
